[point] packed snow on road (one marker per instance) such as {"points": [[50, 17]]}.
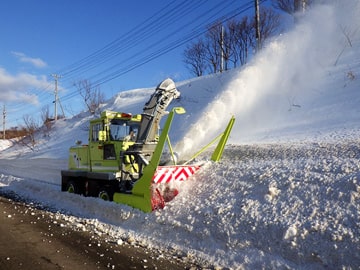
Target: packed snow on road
{"points": [[286, 193]]}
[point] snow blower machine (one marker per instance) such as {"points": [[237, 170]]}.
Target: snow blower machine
{"points": [[121, 161]]}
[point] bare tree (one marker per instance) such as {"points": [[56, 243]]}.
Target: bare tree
{"points": [[46, 120], [213, 49], [31, 126], [242, 41], [269, 23], [91, 95], [292, 6], [195, 58], [287, 6]]}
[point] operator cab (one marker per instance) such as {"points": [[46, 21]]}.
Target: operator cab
{"points": [[123, 130]]}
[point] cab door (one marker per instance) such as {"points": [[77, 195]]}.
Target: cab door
{"points": [[96, 147], [102, 151]]}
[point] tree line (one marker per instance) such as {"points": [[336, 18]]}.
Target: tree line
{"points": [[227, 45]]}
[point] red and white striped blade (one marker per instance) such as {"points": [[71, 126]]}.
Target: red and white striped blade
{"points": [[166, 174]]}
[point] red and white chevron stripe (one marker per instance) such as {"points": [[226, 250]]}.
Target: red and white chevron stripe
{"points": [[166, 174]]}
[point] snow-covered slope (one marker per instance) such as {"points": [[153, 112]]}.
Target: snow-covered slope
{"points": [[287, 192]]}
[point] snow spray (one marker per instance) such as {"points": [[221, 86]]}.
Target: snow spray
{"points": [[285, 73]]}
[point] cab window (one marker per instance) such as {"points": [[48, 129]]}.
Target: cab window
{"points": [[122, 130], [95, 132]]}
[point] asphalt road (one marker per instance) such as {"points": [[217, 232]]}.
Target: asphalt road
{"points": [[30, 238]]}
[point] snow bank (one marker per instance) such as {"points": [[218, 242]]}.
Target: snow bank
{"points": [[4, 144], [269, 206]]}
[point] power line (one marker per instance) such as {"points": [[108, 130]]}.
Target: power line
{"points": [[200, 29], [146, 31], [122, 42], [142, 35]]}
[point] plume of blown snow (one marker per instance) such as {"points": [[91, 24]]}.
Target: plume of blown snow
{"points": [[289, 69]]}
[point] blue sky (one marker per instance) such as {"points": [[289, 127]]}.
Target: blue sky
{"points": [[125, 44]]}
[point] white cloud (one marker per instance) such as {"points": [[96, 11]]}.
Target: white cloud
{"points": [[37, 62], [21, 87]]}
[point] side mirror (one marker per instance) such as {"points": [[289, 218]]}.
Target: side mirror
{"points": [[179, 110]]}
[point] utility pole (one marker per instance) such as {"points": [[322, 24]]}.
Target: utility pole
{"points": [[56, 78], [4, 121], [300, 5], [304, 2], [257, 26]]}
